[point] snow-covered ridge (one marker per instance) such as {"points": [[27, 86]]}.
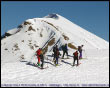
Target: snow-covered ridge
{"points": [[47, 32], [21, 43], [53, 15], [64, 32]]}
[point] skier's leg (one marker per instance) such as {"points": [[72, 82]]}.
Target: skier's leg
{"points": [[67, 53], [42, 63], [63, 54], [81, 55], [74, 61], [77, 62], [38, 60], [57, 60]]}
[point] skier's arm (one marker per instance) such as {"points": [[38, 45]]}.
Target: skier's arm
{"points": [[59, 53]]}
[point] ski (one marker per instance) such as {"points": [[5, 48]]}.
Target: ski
{"points": [[41, 68], [82, 58], [44, 68], [64, 58], [76, 65], [58, 65]]}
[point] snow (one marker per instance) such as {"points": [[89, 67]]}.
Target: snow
{"points": [[53, 15], [91, 71], [94, 69], [12, 31]]}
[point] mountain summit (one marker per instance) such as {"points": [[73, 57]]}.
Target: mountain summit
{"points": [[18, 46], [47, 32]]}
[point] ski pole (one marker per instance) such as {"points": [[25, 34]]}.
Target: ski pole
{"points": [[47, 60]]}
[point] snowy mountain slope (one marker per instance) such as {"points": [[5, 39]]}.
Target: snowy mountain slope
{"points": [[45, 33], [38, 32], [79, 33]]}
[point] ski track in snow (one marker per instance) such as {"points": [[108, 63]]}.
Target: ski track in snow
{"points": [[91, 70]]}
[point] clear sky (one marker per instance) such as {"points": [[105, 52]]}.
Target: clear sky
{"points": [[90, 15]]}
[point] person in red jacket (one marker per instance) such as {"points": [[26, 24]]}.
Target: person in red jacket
{"points": [[38, 52], [75, 58]]}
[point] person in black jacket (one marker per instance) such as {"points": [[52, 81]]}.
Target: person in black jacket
{"points": [[65, 50], [56, 55]]}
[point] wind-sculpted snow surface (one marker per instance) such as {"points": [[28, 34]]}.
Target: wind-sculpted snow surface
{"points": [[20, 46], [93, 70]]}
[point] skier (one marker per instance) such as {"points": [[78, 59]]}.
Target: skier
{"points": [[65, 50], [42, 58], [56, 54], [80, 51], [75, 57], [38, 56]]}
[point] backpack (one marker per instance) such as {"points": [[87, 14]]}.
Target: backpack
{"points": [[53, 49], [38, 52], [57, 52], [75, 54], [62, 47], [79, 48]]}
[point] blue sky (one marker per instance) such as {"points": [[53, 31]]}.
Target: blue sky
{"points": [[90, 15]]}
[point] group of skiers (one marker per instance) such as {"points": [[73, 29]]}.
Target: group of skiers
{"points": [[56, 55]]}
